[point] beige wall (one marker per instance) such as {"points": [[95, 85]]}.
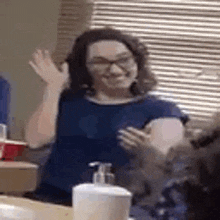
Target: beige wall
{"points": [[25, 25]]}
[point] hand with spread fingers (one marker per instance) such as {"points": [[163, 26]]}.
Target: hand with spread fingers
{"points": [[138, 142], [133, 139], [44, 66]]}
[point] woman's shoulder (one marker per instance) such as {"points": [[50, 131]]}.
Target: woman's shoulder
{"points": [[154, 99], [159, 106], [165, 107]]}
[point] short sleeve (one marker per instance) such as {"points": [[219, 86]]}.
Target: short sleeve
{"points": [[42, 154], [179, 113], [170, 109]]}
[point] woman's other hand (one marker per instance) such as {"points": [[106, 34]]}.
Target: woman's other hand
{"points": [[157, 137], [44, 66], [137, 142], [133, 139]]}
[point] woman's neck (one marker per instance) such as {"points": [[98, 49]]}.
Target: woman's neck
{"points": [[112, 97]]}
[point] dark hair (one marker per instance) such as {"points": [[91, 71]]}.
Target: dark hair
{"points": [[79, 75]]}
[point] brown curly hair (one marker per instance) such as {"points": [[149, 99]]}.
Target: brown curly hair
{"points": [[79, 75]]}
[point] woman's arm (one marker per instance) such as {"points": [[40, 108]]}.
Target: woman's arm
{"points": [[156, 138], [41, 127], [166, 133]]}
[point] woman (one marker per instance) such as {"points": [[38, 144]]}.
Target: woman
{"points": [[104, 115]]}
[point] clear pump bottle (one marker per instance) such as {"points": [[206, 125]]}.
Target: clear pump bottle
{"points": [[101, 200]]}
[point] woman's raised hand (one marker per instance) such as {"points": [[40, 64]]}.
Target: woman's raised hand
{"points": [[44, 66]]}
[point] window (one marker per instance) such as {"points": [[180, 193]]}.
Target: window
{"points": [[74, 18], [183, 38]]}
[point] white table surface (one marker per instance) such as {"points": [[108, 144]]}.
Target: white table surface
{"points": [[13, 208]]}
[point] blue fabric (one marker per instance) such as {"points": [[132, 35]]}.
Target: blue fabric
{"points": [[87, 132], [4, 101]]}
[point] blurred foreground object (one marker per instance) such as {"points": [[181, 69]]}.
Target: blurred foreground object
{"points": [[24, 209]]}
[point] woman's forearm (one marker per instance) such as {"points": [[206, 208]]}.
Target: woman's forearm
{"points": [[41, 127]]}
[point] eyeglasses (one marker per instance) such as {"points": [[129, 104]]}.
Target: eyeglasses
{"points": [[102, 63]]}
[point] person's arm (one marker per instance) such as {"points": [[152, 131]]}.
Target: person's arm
{"points": [[160, 134], [166, 133], [41, 127]]}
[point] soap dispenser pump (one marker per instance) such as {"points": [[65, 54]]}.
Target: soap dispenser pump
{"points": [[103, 175], [101, 200]]}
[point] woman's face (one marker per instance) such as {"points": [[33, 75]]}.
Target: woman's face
{"points": [[111, 65]]}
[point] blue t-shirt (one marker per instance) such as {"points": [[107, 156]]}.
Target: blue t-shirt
{"points": [[4, 101], [87, 132]]}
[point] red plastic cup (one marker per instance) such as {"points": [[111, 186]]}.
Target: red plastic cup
{"points": [[10, 149]]}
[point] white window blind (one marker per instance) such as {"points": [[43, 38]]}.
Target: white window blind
{"points": [[74, 18], [183, 38]]}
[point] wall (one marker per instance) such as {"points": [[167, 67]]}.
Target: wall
{"points": [[25, 25]]}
